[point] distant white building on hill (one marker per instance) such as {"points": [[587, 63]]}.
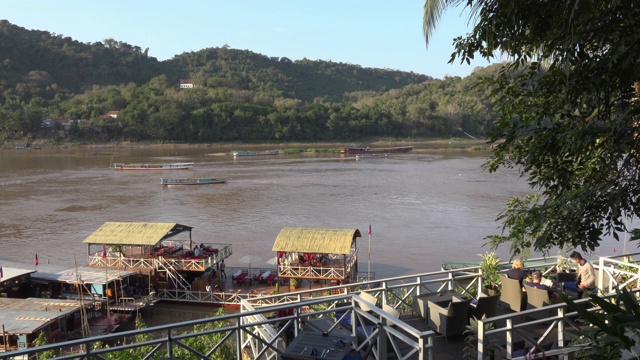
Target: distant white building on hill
{"points": [[186, 84]]}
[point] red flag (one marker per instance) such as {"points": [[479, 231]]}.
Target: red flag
{"points": [[369, 230], [1, 272], [37, 259], [104, 251]]}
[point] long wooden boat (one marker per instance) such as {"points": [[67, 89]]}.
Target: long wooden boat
{"points": [[172, 166], [371, 156], [256, 153], [354, 150], [191, 181]]}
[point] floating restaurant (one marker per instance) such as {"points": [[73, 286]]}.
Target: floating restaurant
{"points": [[318, 254], [162, 251]]}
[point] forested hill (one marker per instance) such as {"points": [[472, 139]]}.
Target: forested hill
{"points": [[55, 88], [44, 58], [303, 79]]}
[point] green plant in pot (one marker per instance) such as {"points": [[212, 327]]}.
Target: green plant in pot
{"points": [[293, 282], [490, 274]]}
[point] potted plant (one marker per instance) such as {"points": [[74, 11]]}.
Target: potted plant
{"points": [[293, 283], [563, 262], [489, 272]]}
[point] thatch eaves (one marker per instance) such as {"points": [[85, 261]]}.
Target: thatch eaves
{"points": [[315, 240], [134, 233]]}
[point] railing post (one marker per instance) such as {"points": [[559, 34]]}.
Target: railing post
{"points": [[480, 339], [561, 326], [169, 345], [509, 335], [239, 338], [385, 293], [601, 274]]}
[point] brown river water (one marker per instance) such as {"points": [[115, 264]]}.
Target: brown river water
{"points": [[423, 207]]}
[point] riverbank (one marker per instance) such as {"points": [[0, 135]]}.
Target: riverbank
{"points": [[420, 145]]}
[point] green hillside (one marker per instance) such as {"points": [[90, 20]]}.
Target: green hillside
{"points": [[55, 88]]}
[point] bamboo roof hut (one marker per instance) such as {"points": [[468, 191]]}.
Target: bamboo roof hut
{"points": [[135, 240], [317, 253], [135, 233], [156, 249]]}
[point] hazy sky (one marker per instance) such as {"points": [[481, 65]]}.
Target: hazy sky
{"points": [[372, 33]]}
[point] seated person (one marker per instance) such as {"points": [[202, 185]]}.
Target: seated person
{"points": [[586, 279], [517, 271], [197, 252], [536, 278]]}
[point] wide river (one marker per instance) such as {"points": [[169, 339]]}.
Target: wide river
{"points": [[424, 207]]}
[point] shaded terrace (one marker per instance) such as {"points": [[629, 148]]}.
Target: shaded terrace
{"points": [[317, 253]]}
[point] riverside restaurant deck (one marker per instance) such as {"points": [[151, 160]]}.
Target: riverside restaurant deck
{"points": [[382, 319]]}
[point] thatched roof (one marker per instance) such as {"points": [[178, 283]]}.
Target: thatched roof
{"points": [[134, 233], [315, 240]]}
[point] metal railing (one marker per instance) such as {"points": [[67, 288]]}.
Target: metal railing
{"points": [[396, 292], [618, 272], [254, 331], [552, 325]]}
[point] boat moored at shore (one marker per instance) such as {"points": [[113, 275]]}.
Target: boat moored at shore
{"points": [[256, 153], [171, 166], [356, 150], [371, 156]]}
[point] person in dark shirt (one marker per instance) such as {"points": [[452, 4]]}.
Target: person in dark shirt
{"points": [[536, 278], [517, 271]]}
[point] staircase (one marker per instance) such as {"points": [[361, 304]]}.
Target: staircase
{"points": [[172, 275]]}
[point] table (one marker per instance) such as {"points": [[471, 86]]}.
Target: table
{"points": [[302, 346], [324, 324], [420, 301]]}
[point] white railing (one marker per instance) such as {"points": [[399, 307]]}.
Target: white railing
{"points": [[257, 332], [618, 272], [388, 329], [529, 339], [177, 280], [148, 262], [396, 292]]}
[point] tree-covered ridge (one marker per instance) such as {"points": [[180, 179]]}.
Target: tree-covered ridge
{"points": [[238, 96], [45, 59]]}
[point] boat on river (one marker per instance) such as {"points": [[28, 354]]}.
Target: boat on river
{"points": [[357, 150], [191, 181], [171, 166], [256, 153], [371, 156]]}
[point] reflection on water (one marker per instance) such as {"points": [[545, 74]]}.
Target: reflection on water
{"points": [[423, 208]]}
